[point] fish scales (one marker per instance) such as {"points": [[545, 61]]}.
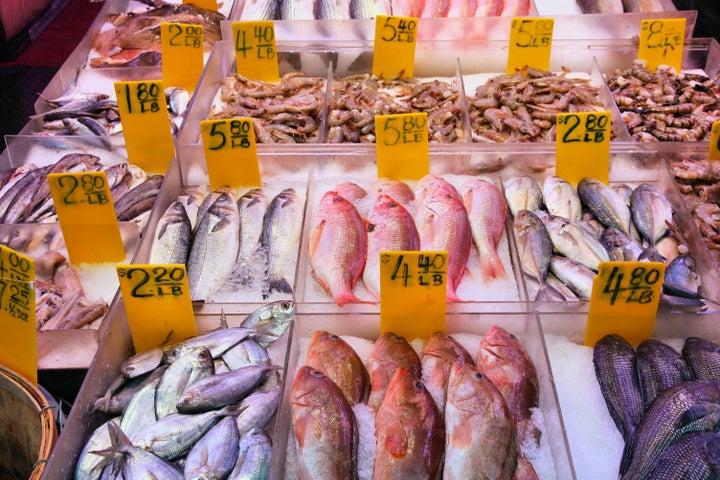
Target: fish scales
{"points": [[221, 389], [193, 364], [659, 367], [703, 358], [692, 456], [254, 460], [389, 353], [215, 454], [282, 224], [440, 353]]}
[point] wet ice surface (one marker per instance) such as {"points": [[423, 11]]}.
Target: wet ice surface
{"points": [[540, 456], [473, 286]]}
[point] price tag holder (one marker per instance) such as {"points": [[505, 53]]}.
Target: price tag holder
{"points": [[157, 303], [582, 146], [394, 48], [624, 300], [18, 342], [402, 146], [662, 42], [87, 216], [206, 4], [413, 292], [231, 153], [255, 50], [530, 43], [146, 125], [714, 150], [182, 46]]}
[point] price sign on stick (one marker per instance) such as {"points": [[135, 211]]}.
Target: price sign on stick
{"points": [[230, 152], [146, 124], [582, 146], [18, 342], [87, 216], [401, 145], [182, 54], [662, 42], [413, 291], [255, 50], [394, 48], [530, 43], [714, 151], [157, 303], [624, 300]]}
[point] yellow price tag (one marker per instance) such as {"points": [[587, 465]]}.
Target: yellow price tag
{"points": [[231, 153], [624, 300], [413, 290], [714, 150], [401, 146], [157, 303], [255, 50], [18, 342], [182, 54], [582, 146], [530, 43], [661, 42], [394, 50], [146, 124], [206, 4], [87, 216]]}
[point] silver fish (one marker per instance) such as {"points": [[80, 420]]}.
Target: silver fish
{"points": [[523, 193], [142, 363], [137, 463], [139, 199], [270, 321], [561, 198], [89, 464], [251, 207], [193, 365], [140, 412], [217, 341], [172, 240], [282, 224], [680, 278], [254, 458], [208, 202], [214, 248], [620, 246], [574, 242], [534, 247], [605, 204], [192, 198], [258, 408], [215, 454], [247, 352], [177, 100], [576, 276], [327, 10], [651, 214]]}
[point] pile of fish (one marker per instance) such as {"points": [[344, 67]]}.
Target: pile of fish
{"points": [[195, 409], [133, 39], [666, 405], [620, 6], [96, 114], [345, 246], [232, 243], [561, 246], [25, 194], [363, 9], [285, 112], [436, 415], [699, 183], [357, 99], [664, 105], [521, 107]]}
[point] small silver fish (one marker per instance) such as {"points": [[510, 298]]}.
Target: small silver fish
{"points": [[282, 224], [574, 242], [215, 454], [605, 203], [651, 214], [270, 321], [193, 365], [172, 237], [257, 409], [561, 198], [523, 193], [254, 458]]}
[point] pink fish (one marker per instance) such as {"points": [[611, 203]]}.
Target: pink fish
{"points": [[408, 8], [435, 9], [444, 225], [441, 352], [338, 247], [487, 210], [489, 8], [389, 353], [350, 191], [430, 183], [395, 189], [516, 8], [462, 8]]}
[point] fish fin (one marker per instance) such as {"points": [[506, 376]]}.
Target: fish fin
{"points": [[701, 413], [396, 442], [277, 283], [548, 293], [222, 224], [341, 298], [314, 238], [492, 267], [651, 254]]}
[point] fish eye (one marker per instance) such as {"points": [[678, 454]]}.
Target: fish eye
{"points": [[418, 384], [371, 227], [285, 306], [316, 373], [479, 375], [337, 199], [334, 337]]}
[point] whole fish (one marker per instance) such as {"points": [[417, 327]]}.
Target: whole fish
{"points": [[440, 353], [142, 363], [247, 352], [140, 411], [534, 248], [703, 358], [574, 242], [616, 372], [257, 409], [688, 407], [253, 461], [251, 208], [214, 455], [222, 389], [692, 456], [338, 247], [390, 227], [523, 193], [324, 427], [651, 214], [605, 203], [561, 199], [214, 248], [19, 195], [659, 367], [575, 275], [680, 278], [281, 231], [270, 321], [620, 246], [139, 199], [389, 353], [172, 240], [395, 189], [340, 363], [193, 365], [409, 429], [444, 225], [487, 211], [217, 341], [503, 359], [136, 462], [480, 433]]}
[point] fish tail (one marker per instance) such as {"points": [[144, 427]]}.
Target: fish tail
{"points": [[651, 254], [492, 266], [277, 283], [341, 298]]}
